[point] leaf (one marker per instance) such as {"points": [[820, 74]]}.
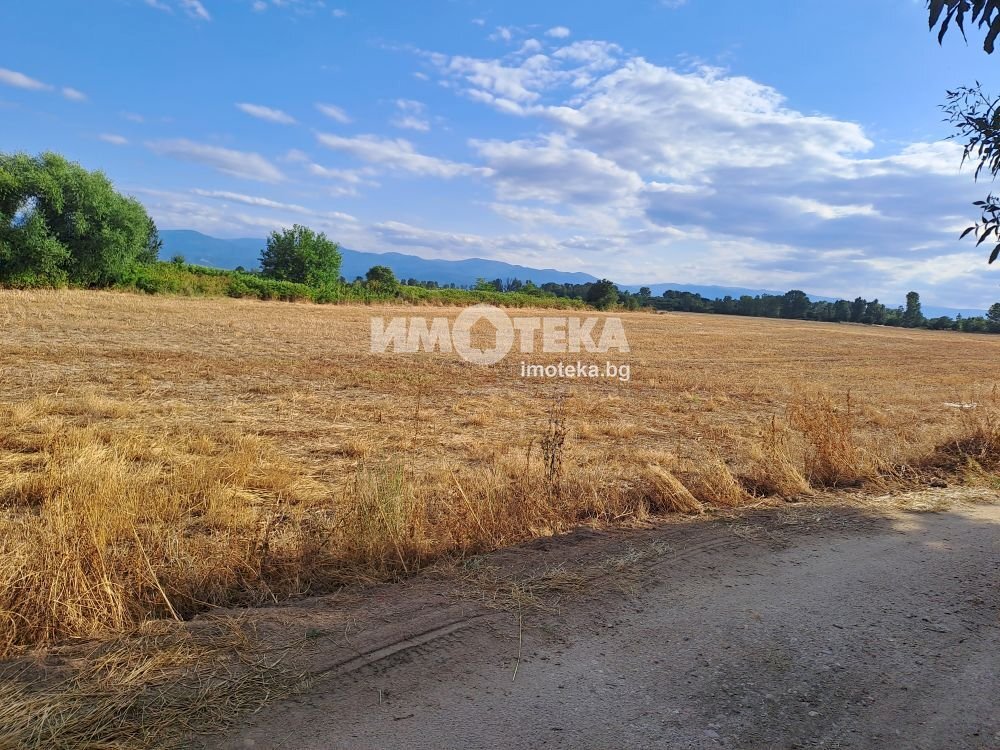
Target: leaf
{"points": [[992, 37], [966, 232], [936, 7], [944, 27], [994, 254]]}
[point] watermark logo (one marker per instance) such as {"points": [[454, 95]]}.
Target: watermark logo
{"points": [[608, 371], [551, 334]]}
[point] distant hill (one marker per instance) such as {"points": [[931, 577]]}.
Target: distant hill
{"points": [[211, 251]]}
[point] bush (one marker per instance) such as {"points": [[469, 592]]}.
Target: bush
{"points": [[382, 281], [245, 285], [61, 224], [301, 256], [170, 278]]}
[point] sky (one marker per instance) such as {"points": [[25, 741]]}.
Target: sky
{"points": [[769, 145]]}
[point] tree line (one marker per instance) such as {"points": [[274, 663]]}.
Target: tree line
{"points": [[792, 305], [63, 225]]}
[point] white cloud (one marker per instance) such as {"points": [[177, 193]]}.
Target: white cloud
{"points": [[266, 113], [828, 211], [243, 164], [257, 201], [113, 139], [711, 176], [297, 7], [21, 81], [643, 172], [553, 171], [558, 32], [502, 33], [192, 8], [397, 154], [591, 54], [345, 182], [334, 113], [195, 9], [410, 116], [517, 83], [250, 200], [408, 122]]}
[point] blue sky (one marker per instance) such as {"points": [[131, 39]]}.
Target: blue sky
{"points": [[785, 145]]}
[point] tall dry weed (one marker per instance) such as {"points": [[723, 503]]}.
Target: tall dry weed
{"points": [[772, 469]]}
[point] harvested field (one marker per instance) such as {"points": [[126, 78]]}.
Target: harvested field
{"points": [[160, 456]]}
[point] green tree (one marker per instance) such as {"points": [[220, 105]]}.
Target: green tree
{"points": [[993, 317], [301, 255], [602, 294], [482, 285], [794, 304], [60, 223], [153, 246], [858, 308], [842, 311], [913, 316], [875, 313], [381, 279]]}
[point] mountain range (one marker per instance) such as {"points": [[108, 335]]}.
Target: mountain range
{"points": [[229, 253]]}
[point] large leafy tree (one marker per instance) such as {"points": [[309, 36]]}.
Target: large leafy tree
{"points": [[913, 316], [382, 279], [299, 254], [61, 223], [795, 304], [602, 294], [974, 113]]}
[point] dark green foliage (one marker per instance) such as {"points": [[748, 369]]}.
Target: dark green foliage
{"points": [[30, 256], [153, 245], [976, 119], [603, 295], [177, 278], [974, 114], [61, 224], [246, 285], [912, 316], [795, 304], [993, 318], [984, 13], [301, 256], [482, 285], [381, 281]]}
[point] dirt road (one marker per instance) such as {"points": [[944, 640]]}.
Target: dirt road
{"points": [[809, 627]]}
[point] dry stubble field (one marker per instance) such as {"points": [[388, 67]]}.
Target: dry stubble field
{"points": [[160, 456]]}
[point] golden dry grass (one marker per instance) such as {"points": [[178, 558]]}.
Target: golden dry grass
{"points": [[161, 456]]}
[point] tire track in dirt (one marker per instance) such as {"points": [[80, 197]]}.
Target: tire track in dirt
{"points": [[778, 628]]}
